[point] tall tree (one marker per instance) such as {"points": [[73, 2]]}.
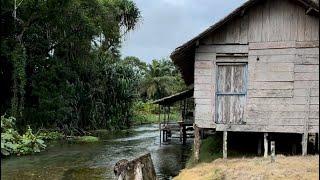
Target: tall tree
{"points": [[60, 53], [162, 79]]}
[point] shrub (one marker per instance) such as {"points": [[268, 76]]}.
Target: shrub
{"points": [[50, 135], [13, 143]]}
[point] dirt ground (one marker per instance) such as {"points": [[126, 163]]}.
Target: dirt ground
{"points": [[290, 167]]}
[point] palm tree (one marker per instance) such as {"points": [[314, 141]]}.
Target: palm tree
{"points": [[161, 79]]}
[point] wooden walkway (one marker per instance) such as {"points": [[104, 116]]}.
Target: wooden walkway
{"points": [[180, 130]]}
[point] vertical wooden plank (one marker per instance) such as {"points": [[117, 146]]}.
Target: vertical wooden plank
{"points": [[312, 28], [287, 9], [293, 16], [255, 24], [238, 79], [244, 29], [265, 142], [225, 144], [300, 24], [265, 22], [226, 109], [213, 89]]}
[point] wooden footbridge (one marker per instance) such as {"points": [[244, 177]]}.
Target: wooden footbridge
{"points": [[182, 129]]}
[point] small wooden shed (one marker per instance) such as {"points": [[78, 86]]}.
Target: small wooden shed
{"points": [[257, 69]]}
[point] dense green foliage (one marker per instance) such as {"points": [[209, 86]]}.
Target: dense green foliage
{"points": [[61, 67], [14, 143], [156, 80], [161, 79]]}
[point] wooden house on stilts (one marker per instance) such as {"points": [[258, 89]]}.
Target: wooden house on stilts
{"points": [[257, 70]]}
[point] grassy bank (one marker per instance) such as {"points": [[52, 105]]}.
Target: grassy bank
{"points": [[291, 167], [150, 118]]}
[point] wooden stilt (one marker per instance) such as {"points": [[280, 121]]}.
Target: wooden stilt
{"points": [[304, 143], [305, 133], [294, 149], [259, 147], [225, 144], [184, 134], [318, 142], [273, 151], [197, 143], [160, 123], [265, 142], [180, 136]]}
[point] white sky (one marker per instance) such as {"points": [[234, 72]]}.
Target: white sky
{"points": [[167, 24]]}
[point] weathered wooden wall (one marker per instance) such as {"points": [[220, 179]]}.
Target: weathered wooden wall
{"points": [[204, 89], [280, 43]]}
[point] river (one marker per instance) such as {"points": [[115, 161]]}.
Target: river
{"points": [[67, 161]]}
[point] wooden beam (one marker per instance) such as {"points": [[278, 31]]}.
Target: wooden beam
{"points": [[238, 49], [225, 144], [309, 10], [283, 45], [265, 142]]}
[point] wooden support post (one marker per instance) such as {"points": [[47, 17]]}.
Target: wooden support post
{"points": [[273, 151], [225, 144], [306, 119], [184, 134], [180, 130], [304, 144], [318, 142], [265, 142], [259, 147], [168, 114], [294, 149], [197, 142], [160, 123]]}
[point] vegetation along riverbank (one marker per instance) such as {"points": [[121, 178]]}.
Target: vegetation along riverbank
{"points": [[62, 72]]}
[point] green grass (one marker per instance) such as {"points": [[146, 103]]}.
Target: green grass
{"points": [[211, 149], [149, 118], [86, 139]]}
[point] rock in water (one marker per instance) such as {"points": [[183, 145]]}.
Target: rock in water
{"points": [[140, 168]]}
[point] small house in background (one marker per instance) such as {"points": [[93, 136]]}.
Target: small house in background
{"points": [[257, 70]]}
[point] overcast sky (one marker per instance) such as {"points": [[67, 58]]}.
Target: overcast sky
{"points": [[167, 24]]}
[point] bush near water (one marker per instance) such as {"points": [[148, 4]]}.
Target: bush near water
{"points": [[14, 143]]}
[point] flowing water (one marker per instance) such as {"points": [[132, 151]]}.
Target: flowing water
{"points": [[67, 161]]}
